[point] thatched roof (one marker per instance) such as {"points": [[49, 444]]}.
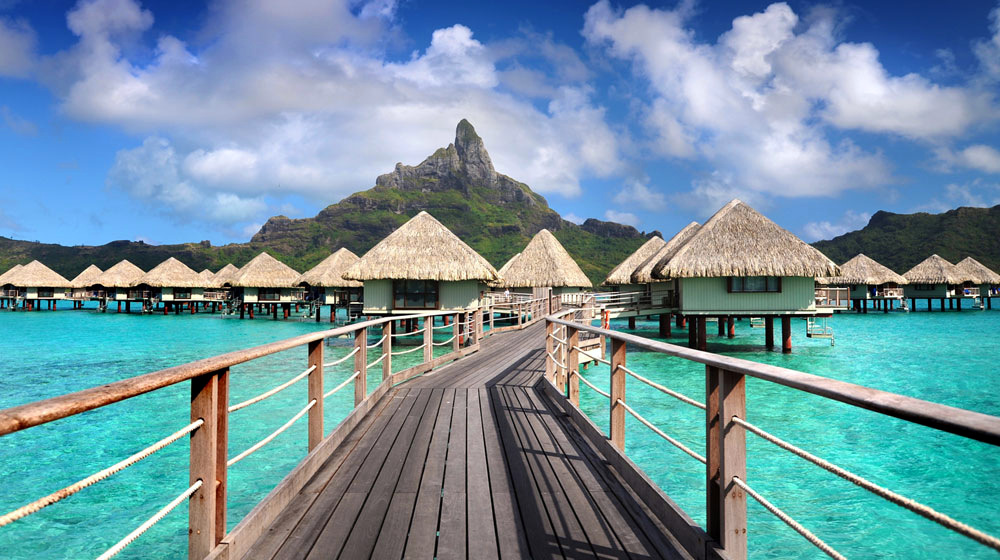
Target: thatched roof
{"points": [[739, 241], [643, 274], [265, 271], [330, 272], [122, 275], [543, 263], [172, 273], [422, 249], [974, 271], [35, 275], [86, 278], [206, 275], [225, 275], [622, 274], [934, 270], [862, 270], [11, 270]]}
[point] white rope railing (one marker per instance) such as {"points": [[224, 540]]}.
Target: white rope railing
{"points": [[595, 358], [443, 342], [798, 528], [380, 341], [272, 392], [68, 491], [342, 385], [344, 359], [411, 333], [898, 499], [658, 387], [557, 339], [660, 433], [441, 327], [557, 362], [408, 351], [120, 546], [592, 386], [375, 363], [253, 449]]}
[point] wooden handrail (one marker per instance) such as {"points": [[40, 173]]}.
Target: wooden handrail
{"points": [[958, 421]]}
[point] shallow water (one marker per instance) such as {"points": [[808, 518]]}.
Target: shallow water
{"points": [[44, 354], [943, 357]]}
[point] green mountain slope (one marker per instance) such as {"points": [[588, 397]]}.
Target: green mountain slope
{"points": [[458, 185], [901, 241]]}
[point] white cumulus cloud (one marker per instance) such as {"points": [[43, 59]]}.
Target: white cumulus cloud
{"points": [[626, 218], [850, 221]]}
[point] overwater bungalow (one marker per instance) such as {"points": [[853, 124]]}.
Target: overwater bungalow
{"points": [[421, 266], [542, 266], [934, 278], [118, 284], [173, 285], [7, 291], [266, 282], [82, 283], [662, 293], [978, 281], [741, 264], [869, 281], [325, 284], [32, 284], [620, 277]]}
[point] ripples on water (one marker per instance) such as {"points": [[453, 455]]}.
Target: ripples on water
{"points": [[943, 357]]}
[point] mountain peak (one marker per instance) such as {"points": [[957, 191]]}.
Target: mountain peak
{"points": [[472, 151]]}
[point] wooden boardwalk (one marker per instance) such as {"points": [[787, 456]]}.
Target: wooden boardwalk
{"points": [[470, 462]]}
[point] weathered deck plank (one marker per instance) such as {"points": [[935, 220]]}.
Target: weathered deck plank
{"points": [[472, 461]]}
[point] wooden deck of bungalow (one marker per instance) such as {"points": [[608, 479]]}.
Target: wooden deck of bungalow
{"points": [[472, 461]]}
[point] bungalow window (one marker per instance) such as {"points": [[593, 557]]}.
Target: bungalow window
{"points": [[269, 294], [924, 287], [415, 294], [45, 292], [753, 284], [182, 294]]}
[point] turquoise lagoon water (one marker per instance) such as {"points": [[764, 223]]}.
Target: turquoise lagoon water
{"points": [[944, 357], [44, 354], [949, 357]]}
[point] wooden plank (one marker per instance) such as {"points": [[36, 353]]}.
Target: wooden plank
{"points": [[423, 526], [481, 529], [539, 534], [452, 531], [507, 519], [307, 531], [315, 391], [378, 492]]}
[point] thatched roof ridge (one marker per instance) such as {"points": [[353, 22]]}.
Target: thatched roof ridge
{"points": [[643, 274], [86, 278], [863, 270], [933, 270], [422, 249], [172, 273], [11, 270], [976, 272], [225, 275], [36, 275], [543, 263], [329, 273], [739, 241], [622, 274], [122, 275], [265, 271], [207, 276]]}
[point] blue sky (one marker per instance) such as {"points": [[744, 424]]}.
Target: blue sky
{"points": [[183, 121]]}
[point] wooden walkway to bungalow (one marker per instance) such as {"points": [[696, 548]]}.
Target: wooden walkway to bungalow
{"points": [[472, 461]]}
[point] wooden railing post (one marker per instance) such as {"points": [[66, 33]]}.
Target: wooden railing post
{"points": [[573, 337], [726, 503], [209, 454], [387, 350], [428, 339], [520, 315], [617, 393], [550, 365], [492, 313], [455, 331], [473, 328], [361, 365], [315, 392]]}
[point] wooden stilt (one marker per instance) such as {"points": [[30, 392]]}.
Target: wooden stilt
{"points": [[769, 332], [786, 334], [732, 328], [942, 304], [693, 338], [664, 325], [958, 304], [721, 327], [702, 339], [631, 323], [251, 311]]}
